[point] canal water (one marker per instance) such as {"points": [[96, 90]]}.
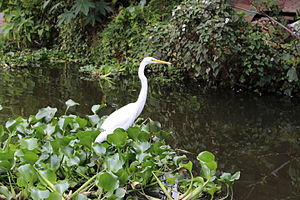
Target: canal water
{"points": [[259, 136]]}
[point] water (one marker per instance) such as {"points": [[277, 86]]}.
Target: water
{"points": [[260, 136]]}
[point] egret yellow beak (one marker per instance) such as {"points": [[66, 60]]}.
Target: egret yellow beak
{"points": [[161, 62]]}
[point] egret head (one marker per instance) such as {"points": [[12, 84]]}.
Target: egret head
{"points": [[150, 60]]}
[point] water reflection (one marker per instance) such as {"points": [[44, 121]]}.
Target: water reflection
{"points": [[25, 91], [260, 136]]}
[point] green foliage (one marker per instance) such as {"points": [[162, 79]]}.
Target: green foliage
{"points": [[208, 42], [49, 157], [213, 43], [29, 24], [87, 11], [127, 38], [28, 57], [35, 23], [79, 22]]}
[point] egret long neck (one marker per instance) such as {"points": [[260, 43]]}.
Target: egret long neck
{"points": [[143, 93]]}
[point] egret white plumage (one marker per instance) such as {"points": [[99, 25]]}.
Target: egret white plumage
{"points": [[125, 116]]}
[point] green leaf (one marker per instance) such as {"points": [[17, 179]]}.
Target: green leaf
{"points": [[81, 197], [292, 75], [6, 160], [2, 134], [162, 134], [49, 129], [107, 181], [188, 166], [144, 136], [12, 124], [178, 159], [30, 144], [212, 165], [82, 122], [120, 192], [205, 172], [65, 17], [54, 196], [235, 176], [94, 119], [36, 194], [73, 161], [114, 163], [171, 179], [286, 56], [55, 162], [225, 177], [49, 175], [27, 176], [141, 146], [133, 133], [141, 156], [136, 134], [96, 108], [39, 132], [30, 157], [46, 4], [63, 122], [70, 103], [61, 186], [198, 179], [212, 188], [118, 138], [152, 126], [46, 113], [206, 156], [87, 137], [122, 176], [99, 149], [83, 6]]}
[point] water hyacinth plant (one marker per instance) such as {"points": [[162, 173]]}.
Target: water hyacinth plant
{"points": [[49, 157]]}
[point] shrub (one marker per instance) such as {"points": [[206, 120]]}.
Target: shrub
{"points": [[128, 37], [213, 43], [28, 24], [39, 23]]}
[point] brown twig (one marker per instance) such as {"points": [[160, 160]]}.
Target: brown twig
{"points": [[271, 18]]}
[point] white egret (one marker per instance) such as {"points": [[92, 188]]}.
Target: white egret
{"points": [[125, 116]]}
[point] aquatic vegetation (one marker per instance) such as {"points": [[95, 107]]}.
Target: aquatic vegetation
{"points": [[49, 157]]}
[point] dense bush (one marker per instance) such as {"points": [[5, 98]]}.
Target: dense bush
{"points": [[28, 23], [132, 33], [39, 23], [212, 42], [208, 42]]}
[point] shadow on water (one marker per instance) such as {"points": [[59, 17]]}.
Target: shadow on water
{"points": [[260, 136]]}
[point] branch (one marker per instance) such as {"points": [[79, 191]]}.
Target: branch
{"points": [[271, 18]]}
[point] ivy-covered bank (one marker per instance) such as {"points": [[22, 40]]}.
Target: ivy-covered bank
{"points": [[49, 157], [207, 41]]}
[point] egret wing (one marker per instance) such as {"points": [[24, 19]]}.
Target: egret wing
{"points": [[121, 118]]}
